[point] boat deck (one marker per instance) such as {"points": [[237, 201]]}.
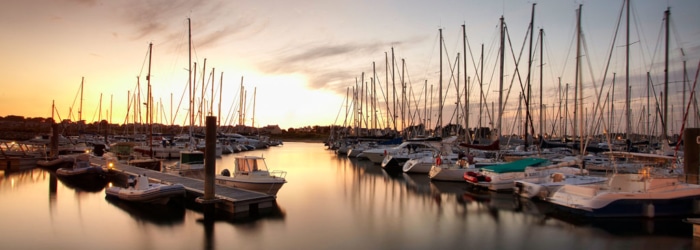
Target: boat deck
{"points": [[232, 200]]}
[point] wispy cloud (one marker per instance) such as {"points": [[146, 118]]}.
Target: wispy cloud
{"points": [[212, 21], [327, 66], [88, 3]]}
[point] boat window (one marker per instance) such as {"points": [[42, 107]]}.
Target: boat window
{"points": [[242, 165]]}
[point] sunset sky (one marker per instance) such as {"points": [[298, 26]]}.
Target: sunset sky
{"points": [[301, 56]]}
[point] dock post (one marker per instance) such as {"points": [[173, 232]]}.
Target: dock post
{"points": [[54, 140], [209, 199], [210, 158], [691, 152]]}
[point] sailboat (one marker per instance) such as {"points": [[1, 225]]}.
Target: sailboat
{"points": [[191, 161], [655, 190]]}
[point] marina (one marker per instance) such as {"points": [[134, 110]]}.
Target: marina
{"points": [[586, 136], [330, 202]]}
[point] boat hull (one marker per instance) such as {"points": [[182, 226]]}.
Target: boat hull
{"points": [[449, 173], [683, 201], [268, 185], [418, 166], [91, 179], [155, 193]]}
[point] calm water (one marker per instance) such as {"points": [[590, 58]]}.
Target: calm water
{"points": [[329, 202]]}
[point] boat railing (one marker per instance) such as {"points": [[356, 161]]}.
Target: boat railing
{"points": [[278, 173]]}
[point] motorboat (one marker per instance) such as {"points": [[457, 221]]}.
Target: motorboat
{"points": [[141, 190], [251, 173], [81, 168], [422, 165], [451, 170], [502, 177], [83, 175], [542, 186], [397, 161], [377, 155], [190, 162], [62, 161], [651, 192]]}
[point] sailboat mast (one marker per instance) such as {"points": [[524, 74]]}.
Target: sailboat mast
{"points": [[241, 104], [481, 88], [439, 121], [255, 91], [403, 94], [542, 108], [628, 109], [201, 102], [467, 137], [374, 96], [393, 86], [211, 103], [578, 76], [578, 108], [221, 85], [667, 16], [386, 98], [149, 114], [529, 69], [189, 69], [500, 80], [80, 112]]}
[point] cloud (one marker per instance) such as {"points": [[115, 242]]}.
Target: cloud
{"points": [[166, 20], [88, 3], [329, 66]]}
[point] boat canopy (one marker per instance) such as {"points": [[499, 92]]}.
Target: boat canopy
{"points": [[515, 166], [250, 164]]}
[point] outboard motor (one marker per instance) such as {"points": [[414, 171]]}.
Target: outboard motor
{"points": [[226, 173]]}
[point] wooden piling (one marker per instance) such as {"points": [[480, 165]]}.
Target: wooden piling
{"points": [[210, 158], [691, 152]]}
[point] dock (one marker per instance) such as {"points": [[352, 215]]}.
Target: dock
{"points": [[235, 201]]}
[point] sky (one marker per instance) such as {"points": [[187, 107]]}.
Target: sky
{"points": [[298, 60]]}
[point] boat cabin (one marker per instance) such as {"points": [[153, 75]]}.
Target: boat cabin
{"points": [[249, 164]]}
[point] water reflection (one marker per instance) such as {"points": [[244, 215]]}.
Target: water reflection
{"points": [[169, 214], [330, 202], [91, 185]]}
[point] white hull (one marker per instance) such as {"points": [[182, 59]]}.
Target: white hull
{"points": [[418, 166], [449, 172], [269, 186], [251, 173], [542, 188], [630, 195], [155, 193]]}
